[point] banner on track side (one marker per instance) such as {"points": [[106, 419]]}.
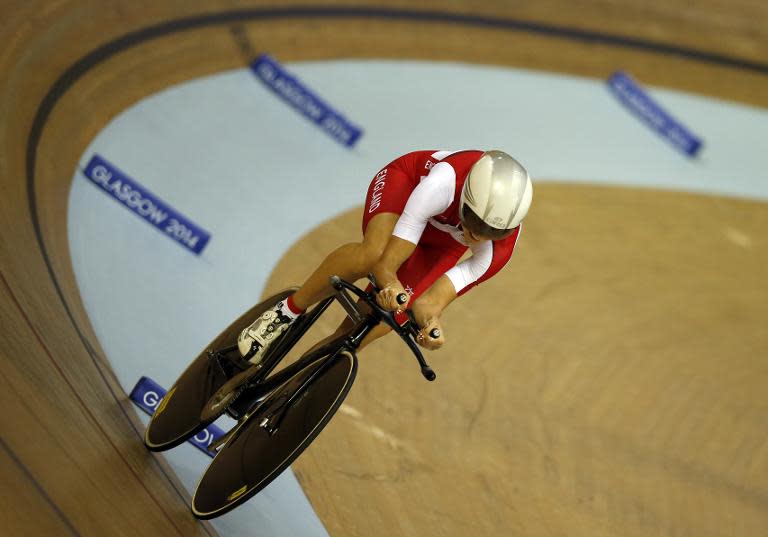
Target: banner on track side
{"points": [[637, 101], [145, 204], [301, 98]]}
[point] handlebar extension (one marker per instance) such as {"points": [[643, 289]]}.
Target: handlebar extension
{"points": [[410, 328]]}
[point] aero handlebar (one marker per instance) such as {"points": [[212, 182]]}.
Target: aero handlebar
{"points": [[408, 332]]}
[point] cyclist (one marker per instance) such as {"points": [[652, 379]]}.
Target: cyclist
{"points": [[423, 211]]}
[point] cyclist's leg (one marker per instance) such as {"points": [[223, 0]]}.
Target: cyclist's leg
{"points": [[430, 260], [351, 261], [387, 195], [435, 254]]}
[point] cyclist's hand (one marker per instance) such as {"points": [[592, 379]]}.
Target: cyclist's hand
{"points": [[427, 316], [425, 338], [387, 297]]}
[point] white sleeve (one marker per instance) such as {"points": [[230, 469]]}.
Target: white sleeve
{"points": [[470, 270], [431, 197]]}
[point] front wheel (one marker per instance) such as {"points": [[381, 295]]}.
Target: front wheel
{"points": [[274, 435]]}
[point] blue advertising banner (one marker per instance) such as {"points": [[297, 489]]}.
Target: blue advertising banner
{"points": [[145, 204], [147, 395], [643, 106], [292, 91]]}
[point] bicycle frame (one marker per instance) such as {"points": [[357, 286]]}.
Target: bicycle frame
{"points": [[349, 341], [323, 375]]}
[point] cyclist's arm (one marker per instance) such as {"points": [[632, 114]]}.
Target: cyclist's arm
{"points": [[428, 308], [487, 259], [395, 253], [434, 300], [433, 195]]}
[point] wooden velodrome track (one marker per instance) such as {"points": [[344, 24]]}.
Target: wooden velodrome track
{"points": [[619, 390]]}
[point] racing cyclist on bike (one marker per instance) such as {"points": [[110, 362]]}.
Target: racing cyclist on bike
{"points": [[423, 211]]}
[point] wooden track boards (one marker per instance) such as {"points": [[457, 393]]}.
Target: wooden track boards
{"points": [[610, 381], [66, 420]]}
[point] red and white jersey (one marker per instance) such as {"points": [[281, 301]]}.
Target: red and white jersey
{"points": [[435, 202]]}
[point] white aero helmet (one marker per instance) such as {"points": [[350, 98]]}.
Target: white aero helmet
{"points": [[498, 191]]}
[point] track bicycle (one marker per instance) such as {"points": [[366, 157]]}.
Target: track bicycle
{"points": [[278, 414]]}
